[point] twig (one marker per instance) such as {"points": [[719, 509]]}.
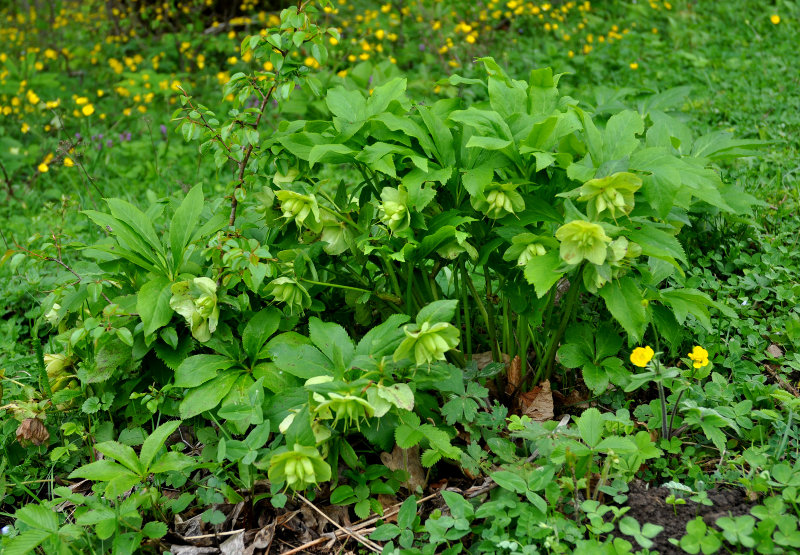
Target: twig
{"points": [[204, 536], [361, 539], [322, 539], [781, 382]]}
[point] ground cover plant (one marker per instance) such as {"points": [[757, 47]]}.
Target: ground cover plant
{"points": [[399, 278]]}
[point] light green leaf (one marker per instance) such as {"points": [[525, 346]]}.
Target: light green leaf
{"points": [[184, 222], [541, 272], [198, 369], [152, 304], [155, 441], [171, 461], [590, 427], [122, 453], [624, 302], [103, 470], [510, 481], [208, 395], [258, 330], [437, 311]]}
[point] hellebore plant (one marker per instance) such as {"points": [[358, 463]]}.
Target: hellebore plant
{"points": [[299, 468]]}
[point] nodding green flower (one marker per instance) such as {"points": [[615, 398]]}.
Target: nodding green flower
{"points": [[289, 292], [582, 240], [612, 194], [299, 468], [498, 200], [348, 408], [428, 342], [302, 209], [336, 234], [196, 301], [52, 316], [524, 248], [394, 208]]}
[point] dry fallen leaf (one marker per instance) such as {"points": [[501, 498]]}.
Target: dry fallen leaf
{"points": [[774, 351], [408, 460], [514, 375], [234, 545], [538, 402]]}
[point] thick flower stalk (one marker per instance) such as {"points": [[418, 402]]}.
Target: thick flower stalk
{"points": [[428, 342], [299, 468], [581, 241], [196, 301], [394, 211], [612, 194]]}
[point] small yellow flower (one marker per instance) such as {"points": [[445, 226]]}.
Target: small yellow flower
{"points": [[81, 100], [699, 357], [68, 162], [43, 168], [88, 110], [641, 356], [634, 66], [775, 19], [25, 127], [33, 98]]}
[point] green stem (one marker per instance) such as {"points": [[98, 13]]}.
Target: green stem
{"points": [[383, 296], [546, 364], [490, 310], [478, 302], [392, 275], [467, 323]]}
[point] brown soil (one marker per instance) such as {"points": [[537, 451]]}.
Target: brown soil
{"points": [[649, 505]]}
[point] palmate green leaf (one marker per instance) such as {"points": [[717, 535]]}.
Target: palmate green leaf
{"points": [[170, 462], [152, 304], [38, 517], [258, 330], [135, 247], [121, 453], [409, 127], [331, 339], [138, 221], [437, 311], [27, 542], [122, 484], [196, 370], [542, 272], [330, 153], [510, 481], [155, 441], [208, 395], [103, 470], [590, 427], [595, 377], [303, 361], [573, 355], [620, 135], [624, 301], [184, 222], [657, 243], [383, 95], [442, 138]]}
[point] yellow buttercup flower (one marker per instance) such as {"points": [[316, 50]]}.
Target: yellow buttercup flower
{"points": [[775, 19], [88, 110], [43, 168], [699, 357], [68, 162], [634, 66], [641, 356]]}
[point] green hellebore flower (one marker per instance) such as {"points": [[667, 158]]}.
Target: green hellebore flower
{"points": [[499, 199], [428, 342], [349, 408], [302, 209], [289, 292], [299, 468], [394, 208], [613, 193], [196, 301], [524, 247], [582, 240], [337, 234]]}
